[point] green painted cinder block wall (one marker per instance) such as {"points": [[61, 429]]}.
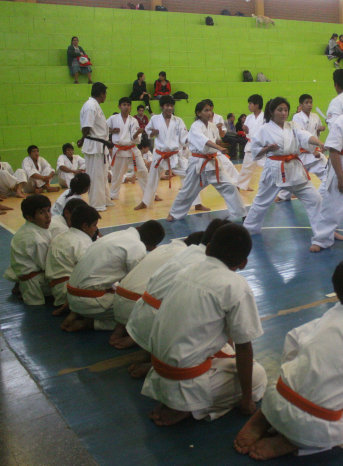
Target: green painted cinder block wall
{"points": [[40, 104]]}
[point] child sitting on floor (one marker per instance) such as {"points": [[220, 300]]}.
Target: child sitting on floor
{"points": [[78, 185], [61, 223]]}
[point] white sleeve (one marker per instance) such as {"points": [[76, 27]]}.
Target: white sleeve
{"points": [[110, 122], [257, 143], [80, 163], [60, 162], [197, 138], [334, 111], [149, 127], [88, 118], [45, 164], [302, 136], [335, 137], [29, 167], [134, 128], [183, 133], [40, 251]]}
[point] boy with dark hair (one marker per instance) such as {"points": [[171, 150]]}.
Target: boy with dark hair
{"points": [[29, 248], [302, 412], [139, 91], [38, 171], [68, 165], [126, 133], [61, 223], [66, 250], [162, 86], [142, 119], [108, 260], [252, 124], [207, 304]]}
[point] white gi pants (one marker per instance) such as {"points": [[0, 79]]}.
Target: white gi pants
{"points": [[191, 188], [59, 292], [98, 195], [65, 178], [33, 291], [267, 191], [99, 309], [120, 168], [247, 170], [32, 184], [8, 182]]}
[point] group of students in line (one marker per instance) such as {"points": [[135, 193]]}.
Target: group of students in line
{"points": [[194, 316]]}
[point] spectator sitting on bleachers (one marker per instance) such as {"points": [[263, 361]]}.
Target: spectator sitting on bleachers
{"points": [[336, 48], [162, 86], [233, 138], [230, 123], [240, 124], [139, 91], [74, 52]]}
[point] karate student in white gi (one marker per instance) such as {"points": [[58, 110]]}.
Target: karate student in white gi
{"points": [[309, 121], [68, 165], [80, 184], [29, 248], [62, 223], [66, 250], [94, 144], [252, 124], [216, 119], [281, 141], [331, 212], [108, 260], [304, 407], [38, 171], [335, 108], [12, 183], [206, 167], [126, 133], [207, 304]]}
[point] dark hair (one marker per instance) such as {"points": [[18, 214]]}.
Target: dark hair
{"points": [[337, 281], [229, 115], [241, 116], [162, 73], [194, 238], [340, 36], [30, 149], [151, 233], [200, 107], [140, 106], [32, 203], [83, 214], [256, 99], [338, 78], [166, 99], [140, 74], [231, 244], [98, 89], [124, 100], [79, 184], [74, 37], [144, 143], [209, 102], [333, 36], [272, 105], [304, 97], [72, 204], [67, 146], [212, 227]]}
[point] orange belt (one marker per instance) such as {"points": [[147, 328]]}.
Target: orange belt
{"points": [[57, 281], [208, 158], [153, 302], [286, 159], [166, 156], [127, 294], [24, 278], [306, 405], [305, 151], [88, 293], [119, 148]]}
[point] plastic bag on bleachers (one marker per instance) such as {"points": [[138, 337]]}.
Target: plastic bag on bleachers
{"points": [[261, 78]]}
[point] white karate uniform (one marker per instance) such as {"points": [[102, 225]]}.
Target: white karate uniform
{"points": [[198, 136], [169, 139], [331, 212], [64, 252], [64, 178], [147, 156], [335, 109], [218, 119], [59, 204], [122, 158], [137, 279], [289, 139], [207, 303], [58, 225], [29, 247], [96, 155], [311, 367], [311, 163], [107, 261], [10, 179], [44, 169], [249, 163], [142, 316]]}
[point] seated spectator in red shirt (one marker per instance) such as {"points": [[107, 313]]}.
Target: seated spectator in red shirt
{"points": [[162, 86], [143, 120], [139, 91]]}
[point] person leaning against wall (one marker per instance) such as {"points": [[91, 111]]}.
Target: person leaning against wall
{"points": [[74, 53]]}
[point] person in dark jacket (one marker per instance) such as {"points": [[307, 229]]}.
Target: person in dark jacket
{"points": [[74, 52], [139, 91]]}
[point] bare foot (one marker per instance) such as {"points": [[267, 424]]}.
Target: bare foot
{"points": [[20, 194], [338, 236], [52, 189], [139, 370], [202, 208], [315, 248], [71, 317], [272, 447], [140, 206], [158, 198], [170, 218], [164, 416], [118, 333], [79, 324], [39, 190], [5, 207], [249, 189], [3, 212], [61, 310], [124, 342], [2, 197], [252, 431]]}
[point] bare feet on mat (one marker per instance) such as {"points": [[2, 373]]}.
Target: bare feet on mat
{"points": [[170, 218], [338, 236], [20, 194], [271, 447], [124, 342], [61, 310], [71, 317], [118, 333], [249, 189], [5, 207], [164, 416], [80, 324], [3, 212], [252, 431], [39, 190], [201, 208], [52, 189], [315, 248], [139, 369], [2, 197], [140, 206], [158, 198]]}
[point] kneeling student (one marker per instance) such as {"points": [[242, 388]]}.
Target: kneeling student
{"points": [[305, 406], [78, 185], [69, 165], [29, 248], [12, 183], [66, 249]]}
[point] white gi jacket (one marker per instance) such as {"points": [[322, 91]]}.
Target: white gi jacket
{"points": [[58, 206], [310, 124], [335, 109], [92, 116], [127, 131], [78, 163], [9, 179], [58, 225], [254, 124]]}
